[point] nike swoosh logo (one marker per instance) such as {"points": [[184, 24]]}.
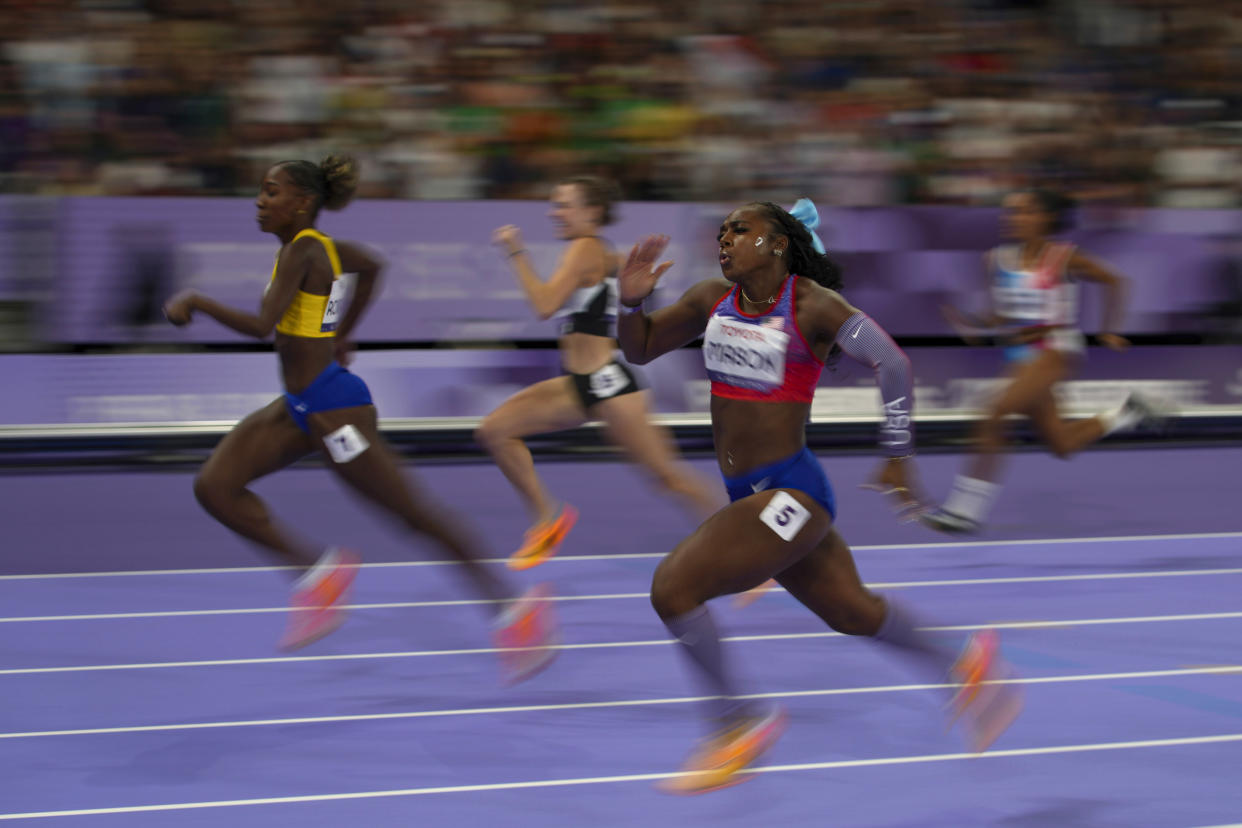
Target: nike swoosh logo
{"points": [[760, 486], [854, 335]]}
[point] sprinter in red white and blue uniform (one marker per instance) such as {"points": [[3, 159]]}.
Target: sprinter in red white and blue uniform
{"points": [[1033, 290], [768, 326]]}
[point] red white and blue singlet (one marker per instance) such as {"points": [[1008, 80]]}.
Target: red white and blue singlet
{"points": [[1042, 295], [764, 357], [760, 356]]}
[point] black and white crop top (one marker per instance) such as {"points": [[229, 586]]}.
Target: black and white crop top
{"points": [[592, 310]]}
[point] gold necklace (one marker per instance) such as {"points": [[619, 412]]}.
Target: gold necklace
{"points": [[771, 300]]}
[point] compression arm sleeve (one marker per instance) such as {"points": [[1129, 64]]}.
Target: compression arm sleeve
{"points": [[866, 342]]}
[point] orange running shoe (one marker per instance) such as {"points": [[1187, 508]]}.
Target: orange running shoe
{"points": [[716, 762], [988, 703], [527, 635], [315, 606], [750, 596], [543, 539]]}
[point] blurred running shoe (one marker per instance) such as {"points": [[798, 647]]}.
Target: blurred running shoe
{"points": [[985, 700], [948, 522], [544, 539], [718, 759], [1149, 413], [317, 598], [527, 635]]}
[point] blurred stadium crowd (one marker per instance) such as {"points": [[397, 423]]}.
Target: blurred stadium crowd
{"points": [[859, 103]]}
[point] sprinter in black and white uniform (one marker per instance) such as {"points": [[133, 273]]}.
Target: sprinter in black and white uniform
{"points": [[595, 384]]}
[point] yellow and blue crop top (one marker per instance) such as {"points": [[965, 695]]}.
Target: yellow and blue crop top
{"points": [[310, 314]]}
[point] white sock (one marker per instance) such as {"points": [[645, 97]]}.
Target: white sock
{"points": [[327, 561], [971, 498], [1119, 419]]}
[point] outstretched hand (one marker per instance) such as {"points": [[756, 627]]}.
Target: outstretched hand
{"points": [[179, 310], [896, 477], [508, 237], [640, 273]]}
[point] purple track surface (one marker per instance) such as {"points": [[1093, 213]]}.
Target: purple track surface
{"points": [[138, 696]]}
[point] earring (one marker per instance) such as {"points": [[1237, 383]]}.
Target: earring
{"points": [[779, 252]]}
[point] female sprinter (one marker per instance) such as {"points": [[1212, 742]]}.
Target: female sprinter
{"points": [[1034, 300], [767, 328], [595, 385], [325, 407]]}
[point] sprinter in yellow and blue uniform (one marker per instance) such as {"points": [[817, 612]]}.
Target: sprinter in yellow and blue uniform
{"points": [[326, 407], [316, 316]]}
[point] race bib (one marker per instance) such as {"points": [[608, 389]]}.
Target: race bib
{"points": [[607, 381], [1021, 302], [345, 444], [784, 515], [745, 355], [336, 305]]}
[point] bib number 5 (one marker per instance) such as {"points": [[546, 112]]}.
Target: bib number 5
{"points": [[784, 515]]}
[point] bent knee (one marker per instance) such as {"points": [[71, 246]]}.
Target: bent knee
{"points": [[861, 620], [852, 625], [490, 432], [210, 492], [669, 598]]}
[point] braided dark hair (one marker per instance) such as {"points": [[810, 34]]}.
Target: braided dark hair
{"points": [[804, 259], [332, 181], [1057, 206]]}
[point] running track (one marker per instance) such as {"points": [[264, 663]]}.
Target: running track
{"points": [[138, 696]]}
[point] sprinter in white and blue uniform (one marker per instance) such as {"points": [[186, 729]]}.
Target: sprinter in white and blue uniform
{"points": [[596, 384], [1034, 282]]}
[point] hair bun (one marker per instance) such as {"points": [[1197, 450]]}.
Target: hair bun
{"points": [[340, 180]]}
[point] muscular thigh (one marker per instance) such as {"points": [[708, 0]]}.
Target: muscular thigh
{"points": [[826, 581], [744, 544], [629, 425], [354, 448], [265, 441], [550, 405], [344, 434]]}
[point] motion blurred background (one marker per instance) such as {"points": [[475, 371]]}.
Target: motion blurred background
{"points": [[134, 135]]}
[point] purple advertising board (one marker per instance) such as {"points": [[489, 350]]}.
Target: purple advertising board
{"points": [[100, 267], [58, 389]]}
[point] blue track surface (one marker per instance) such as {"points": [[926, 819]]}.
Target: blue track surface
{"points": [[1115, 581]]}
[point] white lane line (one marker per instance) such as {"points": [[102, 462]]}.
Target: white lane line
{"points": [[614, 596], [1223, 670], [891, 547], [599, 645], [640, 777]]}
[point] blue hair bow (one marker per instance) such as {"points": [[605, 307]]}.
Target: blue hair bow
{"points": [[805, 212]]}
